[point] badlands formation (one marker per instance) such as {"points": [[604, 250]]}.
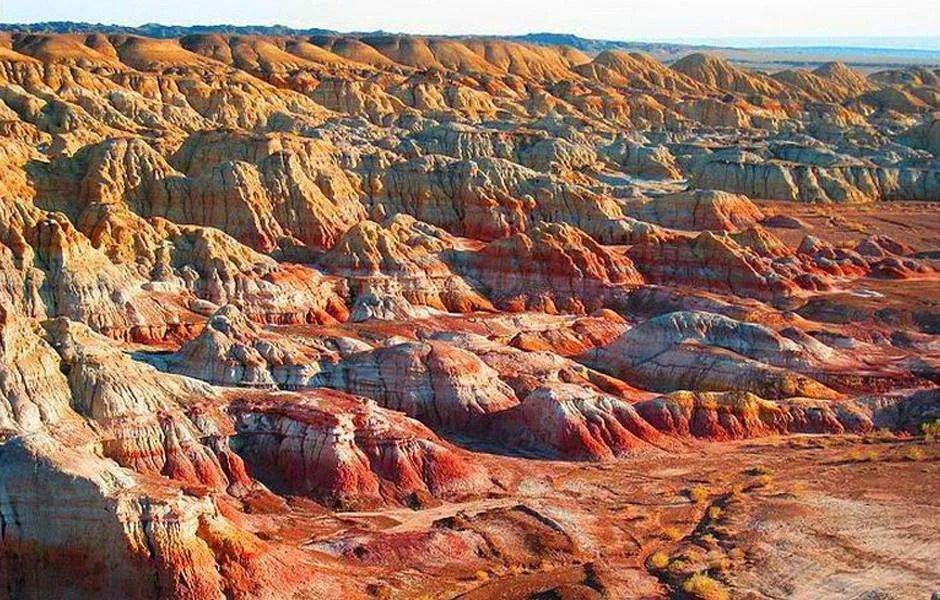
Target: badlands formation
{"points": [[404, 317]]}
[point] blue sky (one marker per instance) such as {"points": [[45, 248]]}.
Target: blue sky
{"points": [[816, 22]]}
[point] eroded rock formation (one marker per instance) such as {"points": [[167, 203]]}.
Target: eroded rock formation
{"points": [[251, 283]]}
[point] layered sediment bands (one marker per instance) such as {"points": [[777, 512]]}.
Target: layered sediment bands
{"points": [[576, 423], [637, 70], [553, 267], [266, 191], [525, 371], [217, 270], [151, 422], [146, 547], [903, 410], [755, 263], [705, 351], [441, 385], [651, 162], [717, 73], [698, 210], [342, 451], [492, 198], [78, 524], [33, 391], [720, 263], [52, 269], [562, 413], [736, 415], [398, 263], [233, 351], [537, 150], [757, 178]]}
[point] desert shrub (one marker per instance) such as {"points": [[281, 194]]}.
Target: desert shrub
{"points": [[658, 560], [704, 587], [718, 562], [763, 480], [913, 453], [673, 533], [758, 470], [714, 512], [931, 430], [697, 494]]}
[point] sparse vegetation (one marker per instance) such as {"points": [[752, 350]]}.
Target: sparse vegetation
{"points": [[758, 471], [718, 562], [658, 560], [859, 455], [913, 453], [704, 587], [714, 512], [931, 430], [673, 533], [763, 480], [697, 494]]}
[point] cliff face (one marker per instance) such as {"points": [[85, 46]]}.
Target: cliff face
{"points": [[258, 294]]}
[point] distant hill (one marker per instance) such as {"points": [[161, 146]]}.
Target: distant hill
{"points": [[156, 30], [758, 57], [596, 46]]}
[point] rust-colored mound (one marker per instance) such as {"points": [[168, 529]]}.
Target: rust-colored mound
{"points": [[555, 266]]}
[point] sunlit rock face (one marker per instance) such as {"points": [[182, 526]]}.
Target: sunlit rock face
{"points": [[329, 316]]}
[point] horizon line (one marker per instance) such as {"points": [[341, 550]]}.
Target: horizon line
{"points": [[718, 41]]}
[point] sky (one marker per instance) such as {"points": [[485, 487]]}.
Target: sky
{"points": [[807, 22]]}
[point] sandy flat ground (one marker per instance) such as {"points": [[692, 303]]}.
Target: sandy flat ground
{"points": [[800, 517]]}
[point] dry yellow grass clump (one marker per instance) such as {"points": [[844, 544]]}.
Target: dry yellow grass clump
{"points": [[763, 480], [659, 560], [673, 533], [705, 588], [698, 494], [931, 430]]}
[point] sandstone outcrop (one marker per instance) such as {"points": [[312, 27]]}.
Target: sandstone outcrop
{"points": [[698, 210], [704, 351], [576, 423], [752, 264], [150, 539], [337, 449], [745, 173], [443, 386], [736, 415], [553, 267], [233, 351], [401, 257]]}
